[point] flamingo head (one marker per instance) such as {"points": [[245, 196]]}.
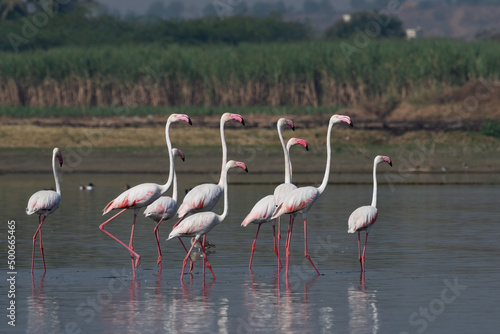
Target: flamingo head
{"points": [[57, 154], [341, 118], [234, 164], [180, 117], [297, 141], [177, 152], [228, 116], [382, 158], [285, 121]]}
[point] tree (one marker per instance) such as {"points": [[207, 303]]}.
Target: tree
{"points": [[373, 21]]}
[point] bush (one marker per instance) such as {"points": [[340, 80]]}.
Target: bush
{"points": [[491, 128]]}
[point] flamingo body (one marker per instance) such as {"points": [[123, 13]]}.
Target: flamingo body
{"points": [[43, 202], [136, 197], [362, 218], [196, 225], [201, 198], [298, 200], [164, 208], [261, 212]]}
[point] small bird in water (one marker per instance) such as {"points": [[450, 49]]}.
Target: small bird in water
{"points": [[88, 187]]}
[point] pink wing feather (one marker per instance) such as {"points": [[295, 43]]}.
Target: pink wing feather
{"points": [[261, 211], [164, 207], [135, 197], [203, 197], [297, 200], [197, 224]]}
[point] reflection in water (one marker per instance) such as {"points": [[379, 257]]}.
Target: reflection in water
{"points": [[363, 313], [266, 309], [43, 311]]}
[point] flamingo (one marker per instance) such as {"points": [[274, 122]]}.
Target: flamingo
{"points": [[205, 196], [44, 202], [201, 223], [281, 190], [164, 207], [364, 217], [264, 208], [302, 199], [142, 195]]}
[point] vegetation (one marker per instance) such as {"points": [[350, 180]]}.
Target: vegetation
{"points": [[317, 73], [80, 29], [491, 128]]}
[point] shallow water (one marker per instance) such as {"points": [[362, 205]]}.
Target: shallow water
{"points": [[430, 265]]}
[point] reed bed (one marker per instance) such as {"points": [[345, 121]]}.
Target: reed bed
{"points": [[313, 73]]}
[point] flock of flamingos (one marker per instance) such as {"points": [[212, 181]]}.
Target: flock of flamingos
{"points": [[195, 214]]}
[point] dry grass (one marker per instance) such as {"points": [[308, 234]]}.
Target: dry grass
{"points": [[32, 136]]}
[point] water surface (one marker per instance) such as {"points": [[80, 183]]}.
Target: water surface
{"points": [[430, 265]]}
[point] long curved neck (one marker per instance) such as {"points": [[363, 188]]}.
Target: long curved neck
{"points": [[226, 201], [171, 158], [224, 150], [288, 176], [322, 187], [374, 196], [174, 189], [56, 174]]}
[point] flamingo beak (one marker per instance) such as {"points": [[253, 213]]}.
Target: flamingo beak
{"points": [[237, 117]]}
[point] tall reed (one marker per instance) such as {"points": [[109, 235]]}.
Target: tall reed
{"points": [[301, 74]]}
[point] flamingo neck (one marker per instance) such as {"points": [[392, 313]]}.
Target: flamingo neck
{"points": [[288, 176], [56, 174], [226, 201], [322, 187], [174, 189], [224, 150], [171, 158], [374, 196]]}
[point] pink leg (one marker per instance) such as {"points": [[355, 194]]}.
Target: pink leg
{"points": [[41, 251], [306, 253], [40, 222], [279, 241], [287, 247], [192, 263], [101, 227], [185, 259], [158, 241], [205, 257], [253, 247], [130, 244], [359, 251], [363, 257], [276, 249]]}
